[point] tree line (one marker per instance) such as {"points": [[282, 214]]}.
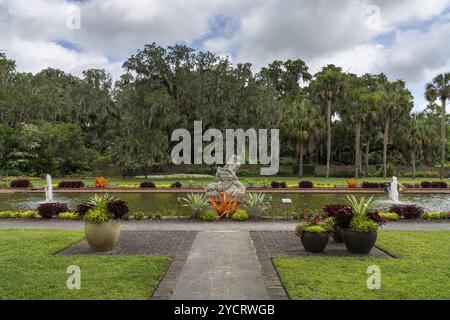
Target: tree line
{"points": [[56, 122]]}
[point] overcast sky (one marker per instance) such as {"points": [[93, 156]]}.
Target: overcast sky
{"points": [[406, 39]]}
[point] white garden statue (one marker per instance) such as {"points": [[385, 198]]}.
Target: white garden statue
{"points": [[228, 181]]}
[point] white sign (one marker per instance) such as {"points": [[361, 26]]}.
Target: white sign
{"points": [[286, 200]]}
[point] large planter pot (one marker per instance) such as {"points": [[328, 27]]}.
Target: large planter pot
{"points": [[314, 242], [102, 237], [357, 242], [337, 234]]}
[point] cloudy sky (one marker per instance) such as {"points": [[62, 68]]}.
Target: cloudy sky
{"points": [[407, 39]]}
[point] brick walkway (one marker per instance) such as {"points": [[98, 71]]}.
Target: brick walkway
{"points": [[151, 243]]}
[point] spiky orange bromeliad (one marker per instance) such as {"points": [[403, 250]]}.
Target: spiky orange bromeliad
{"points": [[226, 205]]}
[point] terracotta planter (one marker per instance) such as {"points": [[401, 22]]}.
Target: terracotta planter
{"points": [[314, 242], [337, 234], [357, 242], [102, 237]]}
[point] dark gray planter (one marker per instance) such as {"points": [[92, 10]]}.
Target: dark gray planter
{"points": [[314, 242], [337, 234], [357, 242]]}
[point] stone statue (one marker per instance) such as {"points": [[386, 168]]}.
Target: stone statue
{"points": [[228, 181]]}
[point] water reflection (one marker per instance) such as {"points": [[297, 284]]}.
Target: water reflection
{"points": [[166, 203]]}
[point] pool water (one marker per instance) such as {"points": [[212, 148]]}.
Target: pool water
{"points": [[170, 204]]}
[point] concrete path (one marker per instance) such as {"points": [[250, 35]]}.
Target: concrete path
{"points": [[223, 266], [203, 226]]}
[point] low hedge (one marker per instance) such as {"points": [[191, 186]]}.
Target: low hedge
{"points": [[436, 215], [278, 185], [373, 185], [434, 185], [147, 185], [176, 185], [51, 209], [71, 184], [20, 183], [305, 184], [407, 211]]}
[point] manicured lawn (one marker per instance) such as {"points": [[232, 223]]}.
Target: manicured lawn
{"points": [[422, 270], [29, 270], [255, 181]]}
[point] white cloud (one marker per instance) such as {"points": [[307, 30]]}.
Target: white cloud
{"points": [[320, 32]]}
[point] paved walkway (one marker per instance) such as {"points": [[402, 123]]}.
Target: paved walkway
{"points": [[203, 226], [221, 266]]}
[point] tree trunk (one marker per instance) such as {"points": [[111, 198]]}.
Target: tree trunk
{"points": [[443, 125], [367, 157], [300, 166], [357, 149], [328, 136], [385, 143], [413, 161]]}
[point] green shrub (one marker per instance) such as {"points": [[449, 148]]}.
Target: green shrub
{"points": [[240, 215], [256, 204], [389, 216], [68, 215], [208, 215], [197, 202], [27, 214], [139, 215], [6, 215], [436, 215]]}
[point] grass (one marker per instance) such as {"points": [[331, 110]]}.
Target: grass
{"points": [[30, 270], [256, 181], [421, 270]]}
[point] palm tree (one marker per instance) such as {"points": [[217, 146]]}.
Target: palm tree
{"points": [[328, 87], [440, 88], [413, 136], [355, 111], [301, 120], [394, 100]]}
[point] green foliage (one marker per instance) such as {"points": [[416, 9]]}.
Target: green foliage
{"points": [[361, 222], [436, 215], [389, 216], [97, 215], [68, 216], [139, 215], [197, 202], [27, 214], [256, 204], [360, 208], [54, 122], [208, 215], [240, 215], [363, 225], [316, 224]]}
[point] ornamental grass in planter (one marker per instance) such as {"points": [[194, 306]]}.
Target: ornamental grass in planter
{"points": [[361, 235], [314, 233], [103, 221]]}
